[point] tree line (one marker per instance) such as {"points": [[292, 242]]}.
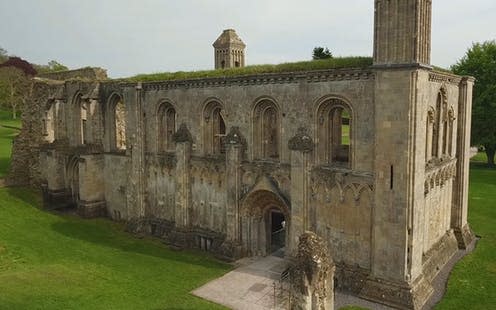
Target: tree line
{"points": [[15, 80]]}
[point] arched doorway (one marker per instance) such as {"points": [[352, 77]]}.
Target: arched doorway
{"points": [[265, 223], [72, 173]]}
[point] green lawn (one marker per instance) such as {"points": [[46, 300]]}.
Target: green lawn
{"points": [[49, 261], [6, 136], [472, 285]]}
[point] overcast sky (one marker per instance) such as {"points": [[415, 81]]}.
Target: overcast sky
{"points": [[143, 36]]}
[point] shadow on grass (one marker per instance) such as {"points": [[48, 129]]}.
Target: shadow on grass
{"points": [[27, 195], [479, 165], [103, 232], [4, 166]]}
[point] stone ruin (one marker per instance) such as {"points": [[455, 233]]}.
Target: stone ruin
{"points": [[311, 276], [375, 160]]}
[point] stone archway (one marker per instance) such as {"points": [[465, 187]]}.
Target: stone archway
{"points": [[262, 230], [72, 173]]}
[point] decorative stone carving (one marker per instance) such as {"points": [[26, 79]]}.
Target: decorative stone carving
{"points": [[235, 137], [312, 275], [301, 141], [182, 134]]}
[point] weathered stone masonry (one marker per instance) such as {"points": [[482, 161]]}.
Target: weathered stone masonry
{"points": [[374, 161]]}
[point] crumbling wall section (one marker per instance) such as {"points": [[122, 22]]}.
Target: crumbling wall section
{"points": [[89, 73], [24, 168]]}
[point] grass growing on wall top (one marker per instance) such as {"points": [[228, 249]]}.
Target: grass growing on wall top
{"points": [[333, 63]]}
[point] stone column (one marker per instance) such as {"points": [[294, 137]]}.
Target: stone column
{"points": [[136, 149], [312, 275], [301, 146], [235, 145], [183, 141], [460, 191]]}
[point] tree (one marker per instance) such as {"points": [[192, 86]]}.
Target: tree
{"points": [[15, 88], [480, 62], [321, 53], [3, 55], [53, 66]]}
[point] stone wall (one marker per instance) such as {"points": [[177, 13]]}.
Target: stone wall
{"points": [[24, 168], [386, 223], [88, 73]]}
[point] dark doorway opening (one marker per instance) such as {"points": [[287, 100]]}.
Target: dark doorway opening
{"points": [[277, 231]]}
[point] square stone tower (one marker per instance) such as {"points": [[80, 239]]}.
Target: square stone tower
{"points": [[406, 87], [229, 50], [402, 32]]}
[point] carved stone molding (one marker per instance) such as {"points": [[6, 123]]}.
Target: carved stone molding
{"points": [[263, 79], [234, 137], [183, 134], [312, 274], [439, 77], [301, 141]]}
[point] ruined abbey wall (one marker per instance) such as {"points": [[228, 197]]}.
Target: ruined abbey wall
{"points": [[205, 164], [375, 161]]}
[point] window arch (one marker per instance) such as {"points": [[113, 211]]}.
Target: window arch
{"points": [[436, 129], [79, 124], [266, 133], [334, 133], [441, 127], [49, 122], [430, 124], [166, 122], [451, 131], [117, 123], [214, 128]]}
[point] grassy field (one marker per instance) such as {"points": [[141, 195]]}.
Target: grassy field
{"points": [[6, 136], [49, 261], [472, 285]]}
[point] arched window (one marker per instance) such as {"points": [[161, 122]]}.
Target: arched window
{"points": [[79, 124], [437, 127], [431, 115], [166, 120], [84, 123], [266, 130], [451, 120], [117, 123], [49, 123], [334, 135], [214, 128]]}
